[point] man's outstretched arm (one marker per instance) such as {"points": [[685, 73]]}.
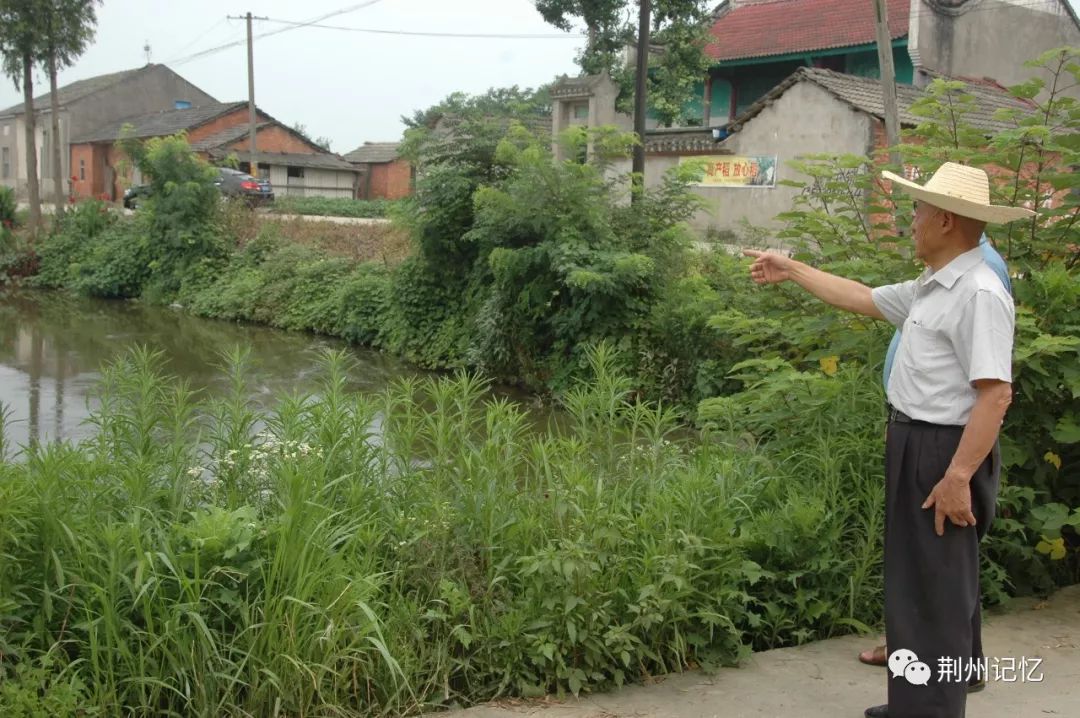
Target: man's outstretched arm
{"points": [[771, 268]]}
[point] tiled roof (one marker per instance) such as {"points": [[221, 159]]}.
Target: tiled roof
{"points": [[568, 87], [226, 136], [77, 90], [682, 139], [159, 124], [374, 153], [314, 160], [781, 27], [864, 94]]}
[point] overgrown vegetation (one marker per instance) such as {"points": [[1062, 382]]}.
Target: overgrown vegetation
{"points": [[409, 550], [331, 207]]}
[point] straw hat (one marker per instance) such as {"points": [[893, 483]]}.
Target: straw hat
{"points": [[961, 190]]}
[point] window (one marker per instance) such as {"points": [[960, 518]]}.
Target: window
{"points": [[82, 170], [7, 130], [6, 161], [581, 111], [295, 172], [264, 171]]}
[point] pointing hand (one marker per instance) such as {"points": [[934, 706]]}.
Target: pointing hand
{"points": [[768, 267]]}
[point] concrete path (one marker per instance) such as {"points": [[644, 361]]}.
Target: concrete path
{"points": [[321, 218], [824, 679]]}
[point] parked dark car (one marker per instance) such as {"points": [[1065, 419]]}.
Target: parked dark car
{"points": [[133, 196], [236, 184]]}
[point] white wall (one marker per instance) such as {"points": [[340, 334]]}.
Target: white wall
{"points": [[314, 183], [993, 38], [805, 120]]}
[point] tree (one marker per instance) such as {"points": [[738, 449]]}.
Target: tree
{"points": [[677, 58], [301, 129], [67, 27], [21, 43], [498, 103]]}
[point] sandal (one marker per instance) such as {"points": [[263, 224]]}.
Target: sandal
{"points": [[874, 657]]}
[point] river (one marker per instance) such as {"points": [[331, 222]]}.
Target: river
{"points": [[53, 345]]}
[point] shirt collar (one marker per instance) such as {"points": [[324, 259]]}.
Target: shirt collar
{"points": [[947, 275]]}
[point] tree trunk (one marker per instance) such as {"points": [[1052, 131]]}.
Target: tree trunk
{"points": [[57, 154], [31, 145]]}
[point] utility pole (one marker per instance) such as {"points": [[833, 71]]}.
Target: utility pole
{"points": [[253, 167], [637, 189], [888, 81], [253, 164]]}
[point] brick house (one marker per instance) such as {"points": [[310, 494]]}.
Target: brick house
{"points": [[383, 173], [217, 132], [85, 105]]}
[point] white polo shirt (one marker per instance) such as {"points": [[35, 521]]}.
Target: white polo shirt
{"points": [[956, 327]]}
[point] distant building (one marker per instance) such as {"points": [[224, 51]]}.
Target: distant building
{"points": [[383, 173], [757, 44], [218, 132], [85, 105]]}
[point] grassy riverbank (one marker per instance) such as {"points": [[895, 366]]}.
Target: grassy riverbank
{"points": [[418, 548]]}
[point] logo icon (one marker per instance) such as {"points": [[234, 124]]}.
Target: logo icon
{"points": [[904, 663]]}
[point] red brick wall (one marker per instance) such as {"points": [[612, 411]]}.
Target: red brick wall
{"points": [[234, 118], [118, 166], [392, 180], [89, 158], [102, 163], [274, 139]]}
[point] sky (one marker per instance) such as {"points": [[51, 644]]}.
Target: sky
{"points": [[351, 87]]}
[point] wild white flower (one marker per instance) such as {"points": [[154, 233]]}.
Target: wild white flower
{"points": [[195, 471]]}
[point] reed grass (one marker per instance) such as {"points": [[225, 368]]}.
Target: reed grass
{"points": [[425, 547]]}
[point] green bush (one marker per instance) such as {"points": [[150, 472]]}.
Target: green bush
{"points": [[8, 219], [182, 211], [335, 207], [362, 301], [97, 253]]}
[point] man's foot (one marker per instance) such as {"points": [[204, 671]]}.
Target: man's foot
{"points": [[875, 656], [877, 712], [976, 684]]}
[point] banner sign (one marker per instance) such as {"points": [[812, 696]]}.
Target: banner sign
{"points": [[736, 171]]}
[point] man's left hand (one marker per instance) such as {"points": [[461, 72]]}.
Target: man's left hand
{"points": [[951, 497]]}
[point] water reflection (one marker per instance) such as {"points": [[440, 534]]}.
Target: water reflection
{"points": [[52, 347]]}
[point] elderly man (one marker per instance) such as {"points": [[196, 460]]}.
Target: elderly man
{"points": [[878, 656], [948, 392]]}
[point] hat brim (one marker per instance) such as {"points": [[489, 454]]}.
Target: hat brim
{"points": [[990, 213]]}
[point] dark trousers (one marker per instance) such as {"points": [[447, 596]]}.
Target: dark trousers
{"points": [[932, 593]]}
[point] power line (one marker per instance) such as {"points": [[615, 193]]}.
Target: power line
{"points": [[235, 43], [327, 16], [202, 36], [418, 33]]}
